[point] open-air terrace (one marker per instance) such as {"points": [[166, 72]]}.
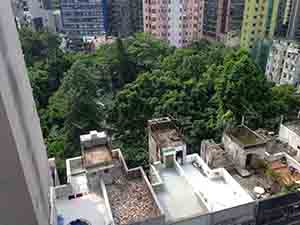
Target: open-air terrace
{"points": [[271, 176], [176, 196], [90, 207], [274, 144], [76, 201], [204, 190], [130, 199], [263, 177], [244, 136], [217, 189]]}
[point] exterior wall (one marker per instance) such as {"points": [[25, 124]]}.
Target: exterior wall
{"points": [[153, 147], [275, 62], [88, 18], [282, 210], [290, 73], [63, 191], [283, 63], [223, 20], [175, 35], [290, 137], [174, 150], [107, 204], [210, 18], [238, 154], [24, 168], [53, 173], [244, 214], [196, 220], [259, 21], [294, 22], [18, 9], [177, 21], [125, 17], [38, 12], [57, 20]]}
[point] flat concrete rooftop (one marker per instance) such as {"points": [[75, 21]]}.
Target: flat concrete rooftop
{"points": [[294, 126], [245, 136], [219, 192], [130, 199], [95, 156], [89, 207], [256, 179], [177, 197]]}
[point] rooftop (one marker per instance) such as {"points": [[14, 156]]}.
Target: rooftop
{"points": [[174, 192], [89, 207], [256, 179], [287, 174], [268, 174], [165, 133], [275, 145], [208, 183], [294, 126], [245, 136], [98, 155], [130, 200]]}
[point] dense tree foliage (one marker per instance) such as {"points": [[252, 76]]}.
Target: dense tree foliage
{"points": [[204, 88]]}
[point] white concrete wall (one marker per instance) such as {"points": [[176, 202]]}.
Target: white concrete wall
{"points": [[232, 148], [24, 168], [152, 146], [289, 136]]}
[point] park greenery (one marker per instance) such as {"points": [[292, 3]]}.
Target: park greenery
{"points": [[204, 88]]}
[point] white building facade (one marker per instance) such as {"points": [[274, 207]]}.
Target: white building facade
{"points": [[283, 63]]}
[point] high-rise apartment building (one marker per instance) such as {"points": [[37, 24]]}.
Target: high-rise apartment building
{"points": [[182, 21], [24, 169], [84, 18], [125, 17], [223, 19], [37, 13], [294, 20], [284, 63], [177, 21], [288, 20], [260, 20]]}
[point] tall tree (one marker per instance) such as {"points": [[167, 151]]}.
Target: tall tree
{"points": [[242, 89]]}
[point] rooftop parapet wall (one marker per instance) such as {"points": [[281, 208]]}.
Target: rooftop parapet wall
{"points": [[74, 166], [63, 191], [136, 173], [243, 214], [245, 137]]}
